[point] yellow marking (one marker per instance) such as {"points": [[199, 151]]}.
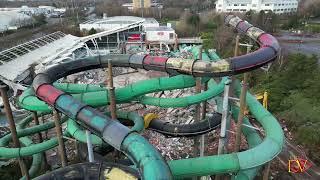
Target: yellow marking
{"points": [[180, 64], [211, 67], [220, 66], [118, 174], [254, 32], [264, 98], [148, 118]]}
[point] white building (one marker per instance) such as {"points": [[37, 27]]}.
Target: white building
{"points": [[160, 34], [46, 10], [129, 6], [276, 6]]}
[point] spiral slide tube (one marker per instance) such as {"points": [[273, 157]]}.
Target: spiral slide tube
{"points": [[142, 153], [135, 146], [116, 134], [27, 100], [19, 152], [100, 98], [75, 131], [30, 149], [246, 160]]}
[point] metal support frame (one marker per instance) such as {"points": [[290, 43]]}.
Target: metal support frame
{"points": [[89, 146], [234, 99], [118, 40], [225, 114], [243, 96]]}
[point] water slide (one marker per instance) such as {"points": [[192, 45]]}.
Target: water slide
{"points": [[78, 107]]}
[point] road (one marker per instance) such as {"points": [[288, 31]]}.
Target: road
{"points": [[293, 43]]}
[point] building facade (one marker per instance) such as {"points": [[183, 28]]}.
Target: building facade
{"points": [[276, 6]]}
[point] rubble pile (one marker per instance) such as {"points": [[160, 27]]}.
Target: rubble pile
{"points": [[170, 148]]}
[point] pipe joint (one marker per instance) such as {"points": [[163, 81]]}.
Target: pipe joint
{"points": [[40, 79], [114, 133]]}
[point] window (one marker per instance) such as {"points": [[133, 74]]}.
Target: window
{"points": [[220, 5], [235, 4], [235, 10], [229, 10], [254, 5], [267, 4], [171, 35], [243, 5]]}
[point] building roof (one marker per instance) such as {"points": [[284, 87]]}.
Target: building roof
{"points": [[45, 50], [123, 20], [115, 20], [250, 1], [160, 28]]}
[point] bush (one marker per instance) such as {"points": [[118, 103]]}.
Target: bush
{"points": [[40, 19], [92, 31], [294, 95], [313, 28]]}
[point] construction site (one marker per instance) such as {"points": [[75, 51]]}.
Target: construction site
{"points": [[136, 101]]}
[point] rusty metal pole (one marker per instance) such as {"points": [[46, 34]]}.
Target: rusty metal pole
{"points": [[236, 52], [36, 121], [202, 110], [266, 171], [203, 116], [112, 97], [13, 130], [43, 121], [61, 147], [241, 115], [197, 114], [236, 49]]}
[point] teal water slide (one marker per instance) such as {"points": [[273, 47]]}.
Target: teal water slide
{"points": [[243, 165]]}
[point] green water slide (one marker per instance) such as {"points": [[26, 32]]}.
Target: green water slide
{"points": [[244, 164]]}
